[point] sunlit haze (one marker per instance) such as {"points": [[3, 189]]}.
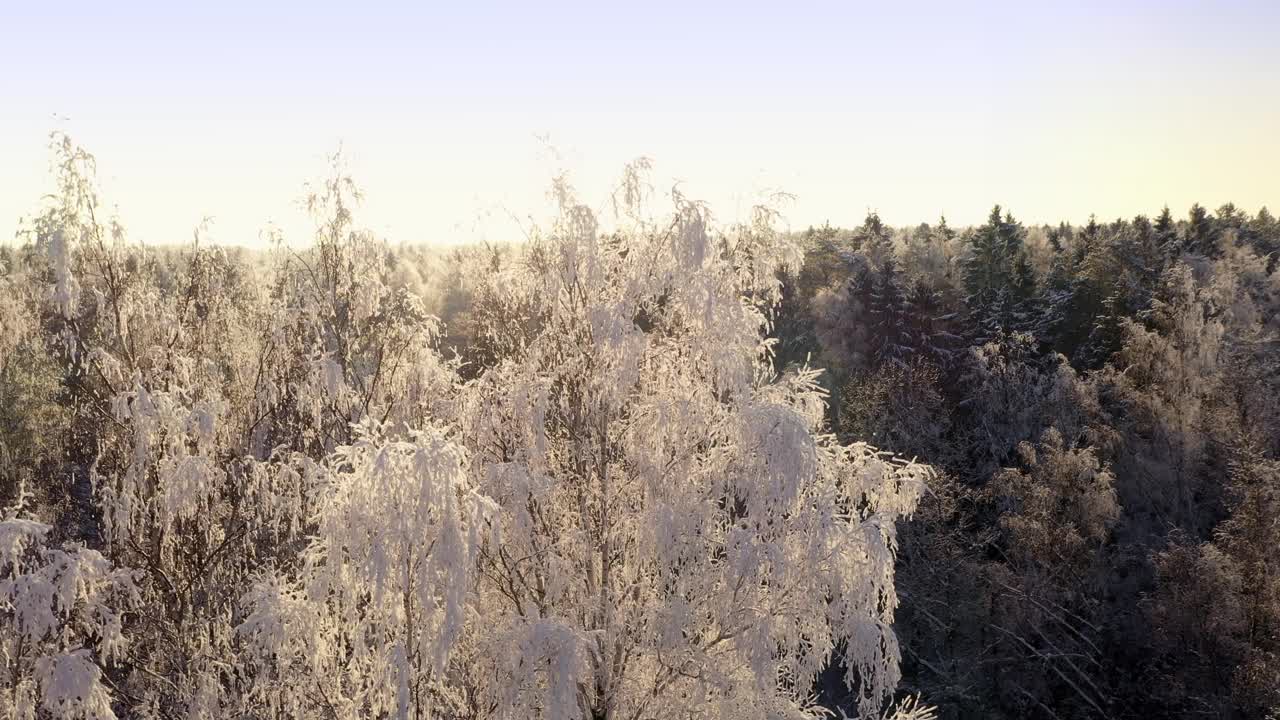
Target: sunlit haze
{"points": [[447, 111]]}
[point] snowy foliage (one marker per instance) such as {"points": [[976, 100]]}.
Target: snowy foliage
{"points": [[608, 505], [61, 616], [1061, 500], [606, 482], [676, 533], [381, 598]]}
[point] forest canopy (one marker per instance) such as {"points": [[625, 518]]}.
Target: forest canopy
{"points": [[640, 464]]}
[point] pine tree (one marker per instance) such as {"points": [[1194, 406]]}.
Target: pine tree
{"points": [[943, 231], [825, 264], [1025, 310], [1098, 305], [1228, 216]]}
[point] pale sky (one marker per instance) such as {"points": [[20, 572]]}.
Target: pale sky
{"points": [[911, 109]]}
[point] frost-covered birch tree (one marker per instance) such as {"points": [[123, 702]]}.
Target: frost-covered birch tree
{"points": [[367, 628], [61, 616], [676, 535]]}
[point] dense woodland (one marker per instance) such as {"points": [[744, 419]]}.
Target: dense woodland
{"points": [[640, 465], [1102, 405]]}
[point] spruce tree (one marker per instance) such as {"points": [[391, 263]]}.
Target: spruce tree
{"points": [[998, 278], [874, 239], [889, 317], [930, 325], [1166, 231], [1264, 233], [1202, 235]]}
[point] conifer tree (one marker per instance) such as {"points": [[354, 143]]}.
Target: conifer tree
{"points": [[889, 315], [874, 239], [998, 278], [1166, 231], [1265, 236], [931, 325], [1201, 235]]}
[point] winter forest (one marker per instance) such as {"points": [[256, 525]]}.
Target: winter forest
{"points": [[641, 464]]}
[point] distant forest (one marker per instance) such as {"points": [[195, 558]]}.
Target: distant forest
{"points": [[1102, 403], [650, 471]]}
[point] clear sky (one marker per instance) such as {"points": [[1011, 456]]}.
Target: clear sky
{"points": [[912, 109]]}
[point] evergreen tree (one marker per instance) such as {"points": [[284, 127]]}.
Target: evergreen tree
{"points": [[1166, 232], [889, 315], [1127, 274], [943, 232], [998, 278], [1231, 217], [1085, 300], [1025, 309], [1202, 235], [930, 325], [793, 321], [1098, 306], [874, 239], [1060, 237], [1264, 232]]}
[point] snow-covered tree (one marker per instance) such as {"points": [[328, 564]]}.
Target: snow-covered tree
{"points": [[1015, 393], [676, 534], [383, 590], [874, 239], [929, 255], [1217, 607], [842, 322], [1061, 500], [999, 279], [61, 619], [1165, 373], [1202, 234], [204, 407]]}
